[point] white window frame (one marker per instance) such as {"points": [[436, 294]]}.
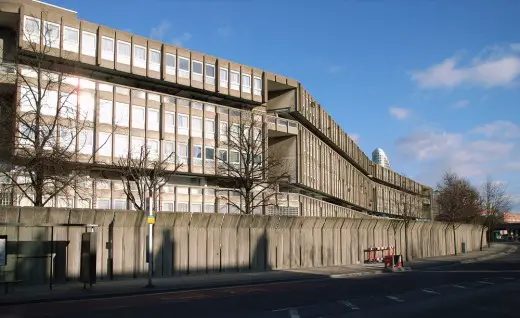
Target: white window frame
{"points": [[116, 202], [86, 142], [166, 153], [107, 53], [99, 200], [220, 152], [257, 90], [182, 158], [169, 127], [105, 144], [138, 121], [212, 159], [87, 105], [139, 62], [105, 116], [120, 146], [194, 75], [178, 209], [209, 133], [170, 70], [172, 203], [196, 131], [223, 82], [223, 130], [184, 73], [154, 126], [126, 58], [209, 208], [35, 38], [234, 85], [246, 88], [153, 152], [123, 117], [154, 66], [85, 50], [68, 45], [67, 139], [183, 130], [54, 43], [136, 144], [195, 204], [197, 161], [208, 78]]}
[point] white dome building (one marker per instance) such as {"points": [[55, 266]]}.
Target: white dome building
{"points": [[380, 158]]}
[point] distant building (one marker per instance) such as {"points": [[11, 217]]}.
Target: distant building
{"points": [[511, 218], [379, 157]]}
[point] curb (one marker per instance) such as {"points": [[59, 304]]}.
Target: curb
{"points": [[468, 261], [357, 274], [488, 257]]}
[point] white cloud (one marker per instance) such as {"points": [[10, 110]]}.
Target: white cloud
{"points": [[437, 151], [159, 31], [355, 137], [224, 31], [461, 104], [494, 66], [499, 128], [399, 113], [182, 39]]}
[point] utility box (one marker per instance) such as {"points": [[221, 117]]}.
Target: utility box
{"points": [[88, 258], [463, 248]]}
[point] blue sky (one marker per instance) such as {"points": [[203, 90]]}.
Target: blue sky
{"points": [[433, 83]]}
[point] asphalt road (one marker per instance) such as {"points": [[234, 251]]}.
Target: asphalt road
{"points": [[485, 288]]}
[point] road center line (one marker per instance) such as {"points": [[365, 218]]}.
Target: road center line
{"points": [[458, 286], [349, 304], [294, 313], [399, 300], [484, 282], [429, 291]]}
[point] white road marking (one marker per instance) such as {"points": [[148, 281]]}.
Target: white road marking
{"points": [[429, 291], [458, 286], [399, 300], [349, 304], [294, 313], [484, 282], [508, 278]]}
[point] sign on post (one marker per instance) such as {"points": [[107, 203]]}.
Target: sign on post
{"points": [[3, 250]]}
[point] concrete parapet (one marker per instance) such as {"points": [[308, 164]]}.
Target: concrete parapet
{"points": [[189, 243]]}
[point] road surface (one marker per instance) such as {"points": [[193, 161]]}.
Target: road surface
{"points": [[465, 290]]}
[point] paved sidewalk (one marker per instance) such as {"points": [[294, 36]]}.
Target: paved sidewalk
{"points": [[105, 288], [496, 250]]}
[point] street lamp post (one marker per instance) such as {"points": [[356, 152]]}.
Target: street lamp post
{"points": [[150, 217]]}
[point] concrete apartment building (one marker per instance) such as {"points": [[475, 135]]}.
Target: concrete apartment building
{"points": [[177, 100]]}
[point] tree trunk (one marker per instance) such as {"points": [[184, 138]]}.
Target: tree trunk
{"points": [[482, 238], [407, 250], [454, 238], [38, 188]]}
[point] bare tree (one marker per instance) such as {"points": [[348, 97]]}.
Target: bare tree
{"points": [[252, 170], [45, 140], [458, 200], [495, 202], [407, 212], [143, 174]]}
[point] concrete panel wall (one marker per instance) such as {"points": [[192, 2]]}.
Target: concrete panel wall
{"points": [[198, 243]]}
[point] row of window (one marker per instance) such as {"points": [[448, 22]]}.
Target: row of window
{"points": [[142, 117], [118, 146], [126, 53]]}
